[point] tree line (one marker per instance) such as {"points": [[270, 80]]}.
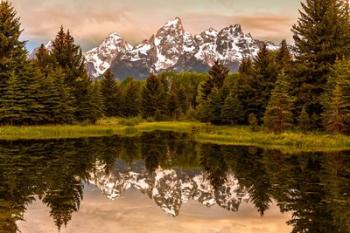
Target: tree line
{"points": [[307, 88]]}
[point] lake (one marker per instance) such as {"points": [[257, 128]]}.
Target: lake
{"points": [[165, 182]]}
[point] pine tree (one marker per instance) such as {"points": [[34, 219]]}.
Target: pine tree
{"points": [[50, 99], [110, 92], [21, 101], [246, 67], [153, 98], [96, 102], [283, 57], [253, 122], [205, 89], [83, 99], [44, 60], [231, 112], [174, 108], [255, 83], [65, 109], [337, 114], [218, 73], [68, 57], [320, 37], [131, 104], [12, 53], [304, 120], [215, 104], [11, 112], [278, 116], [204, 112], [245, 88], [56, 96], [182, 100]]}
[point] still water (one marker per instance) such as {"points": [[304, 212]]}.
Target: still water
{"points": [[164, 182]]}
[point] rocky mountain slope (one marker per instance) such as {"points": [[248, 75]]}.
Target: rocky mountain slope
{"points": [[173, 48]]}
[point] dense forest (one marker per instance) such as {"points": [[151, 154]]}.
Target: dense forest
{"points": [[306, 89]]}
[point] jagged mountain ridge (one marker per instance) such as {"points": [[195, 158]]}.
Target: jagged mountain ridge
{"points": [[173, 48], [168, 188]]}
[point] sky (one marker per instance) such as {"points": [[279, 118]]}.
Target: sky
{"points": [[135, 212], [91, 21]]}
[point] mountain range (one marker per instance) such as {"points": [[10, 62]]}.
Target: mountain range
{"points": [[172, 48]]}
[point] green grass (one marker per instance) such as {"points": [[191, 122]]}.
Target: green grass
{"points": [[224, 135]]}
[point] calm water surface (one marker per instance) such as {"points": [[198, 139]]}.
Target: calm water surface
{"points": [[165, 182]]}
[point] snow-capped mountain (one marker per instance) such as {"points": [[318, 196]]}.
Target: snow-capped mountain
{"points": [[173, 48], [99, 59], [169, 188]]}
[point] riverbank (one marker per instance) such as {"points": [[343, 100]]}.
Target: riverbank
{"points": [[204, 133]]}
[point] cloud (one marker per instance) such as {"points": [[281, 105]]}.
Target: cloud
{"points": [[267, 26], [91, 21]]}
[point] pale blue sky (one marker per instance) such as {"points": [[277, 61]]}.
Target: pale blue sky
{"points": [[91, 21]]}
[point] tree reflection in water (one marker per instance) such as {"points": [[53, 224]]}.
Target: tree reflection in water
{"points": [[170, 168]]}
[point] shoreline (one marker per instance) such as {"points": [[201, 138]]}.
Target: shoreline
{"points": [[291, 141]]}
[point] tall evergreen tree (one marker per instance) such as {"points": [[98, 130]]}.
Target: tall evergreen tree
{"points": [[182, 100], [255, 83], [96, 101], [110, 92], [153, 98], [65, 109], [246, 67], [265, 75], [231, 112], [132, 96], [337, 113], [83, 99], [21, 101], [321, 36], [244, 87], [304, 120], [218, 73], [56, 96], [174, 108], [68, 56], [283, 57], [278, 115], [12, 52], [14, 65], [44, 60]]}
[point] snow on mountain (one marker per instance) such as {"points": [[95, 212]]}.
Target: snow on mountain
{"points": [[168, 44], [168, 188], [99, 59], [172, 48]]}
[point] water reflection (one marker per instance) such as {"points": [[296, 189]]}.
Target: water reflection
{"points": [[171, 170]]}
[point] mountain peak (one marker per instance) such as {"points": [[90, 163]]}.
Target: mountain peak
{"points": [[174, 23], [173, 48], [114, 35]]}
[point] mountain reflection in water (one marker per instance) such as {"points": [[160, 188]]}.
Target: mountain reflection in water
{"points": [[172, 171]]}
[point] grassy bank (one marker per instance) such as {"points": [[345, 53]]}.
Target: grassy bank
{"points": [[225, 135]]}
